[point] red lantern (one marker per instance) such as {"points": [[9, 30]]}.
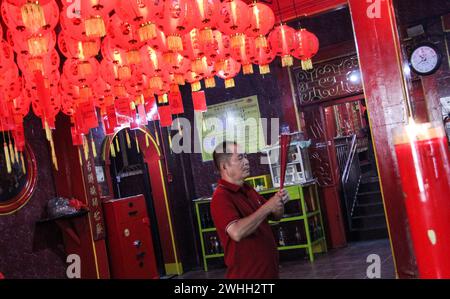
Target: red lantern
{"points": [[31, 16], [263, 57], [112, 53], [123, 35], [81, 71], [34, 44], [46, 64], [227, 69], [262, 20], [141, 15], [177, 20], [219, 48], [206, 15], [282, 41], [307, 45], [81, 49], [6, 55], [244, 54], [94, 15], [193, 79], [152, 61], [191, 45], [235, 19], [159, 43], [209, 79]]}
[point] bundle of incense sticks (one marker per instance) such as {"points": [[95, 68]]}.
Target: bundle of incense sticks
{"points": [[285, 140]]}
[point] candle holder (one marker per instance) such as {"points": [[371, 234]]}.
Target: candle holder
{"points": [[424, 167]]}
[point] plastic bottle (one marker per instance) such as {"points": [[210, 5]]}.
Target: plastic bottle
{"points": [[298, 236], [281, 237]]}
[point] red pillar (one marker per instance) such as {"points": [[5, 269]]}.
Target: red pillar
{"points": [[379, 56]]}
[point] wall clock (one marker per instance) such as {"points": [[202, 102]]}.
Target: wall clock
{"points": [[425, 59]]}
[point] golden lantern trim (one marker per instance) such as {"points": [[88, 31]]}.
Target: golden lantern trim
{"points": [[307, 65], [95, 27], [33, 16], [175, 43], [37, 45], [206, 35], [247, 69], [163, 99], [264, 69], [8, 161], [133, 57], [287, 60], [196, 86], [229, 83], [147, 31], [210, 82], [11, 153]]}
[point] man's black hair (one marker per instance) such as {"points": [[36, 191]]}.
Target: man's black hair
{"points": [[222, 153]]}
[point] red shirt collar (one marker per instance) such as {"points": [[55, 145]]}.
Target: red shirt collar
{"points": [[231, 186]]}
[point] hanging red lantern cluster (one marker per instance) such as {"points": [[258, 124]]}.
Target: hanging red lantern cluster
{"points": [[126, 58]]}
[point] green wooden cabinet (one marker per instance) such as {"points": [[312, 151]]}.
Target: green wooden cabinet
{"points": [[300, 228]]}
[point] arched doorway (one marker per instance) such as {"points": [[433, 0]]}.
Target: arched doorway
{"points": [[134, 165]]}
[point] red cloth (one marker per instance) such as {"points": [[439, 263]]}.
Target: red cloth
{"points": [[255, 256]]}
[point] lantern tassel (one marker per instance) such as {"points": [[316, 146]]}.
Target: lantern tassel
{"points": [[86, 148], [11, 153], [94, 150], [24, 169], [95, 27], [287, 60], [17, 154], [196, 86], [147, 31], [147, 143], [48, 133], [247, 69], [206, 36], [8, 161], [54, 159], [80, 157], [128, 139], [137, 143], [37, 45], [156, 134], [33, 16], [264, 69], [210, 82], [175, 43], [117, 145], [229, 83], [113, 152], [307, 65]]}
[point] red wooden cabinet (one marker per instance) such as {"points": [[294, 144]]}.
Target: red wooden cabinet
{"points": [[130, 244]]}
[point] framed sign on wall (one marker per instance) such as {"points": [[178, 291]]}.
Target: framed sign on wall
{"points": [[237, 120]]}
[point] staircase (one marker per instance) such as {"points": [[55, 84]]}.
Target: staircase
{"points": [[367, 217], [361, 192]]}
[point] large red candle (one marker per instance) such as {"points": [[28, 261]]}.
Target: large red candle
{"points": [[424, 164]]}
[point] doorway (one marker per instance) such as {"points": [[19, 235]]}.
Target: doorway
{"points": [[361, 200], [129, 176]]}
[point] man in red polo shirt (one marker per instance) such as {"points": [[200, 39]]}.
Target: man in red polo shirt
{"points": [[241, 215]]}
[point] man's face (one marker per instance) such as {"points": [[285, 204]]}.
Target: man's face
{"points": [[237, 167]]}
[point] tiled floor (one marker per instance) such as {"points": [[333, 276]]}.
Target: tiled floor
{"points": [[349, 262]]}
